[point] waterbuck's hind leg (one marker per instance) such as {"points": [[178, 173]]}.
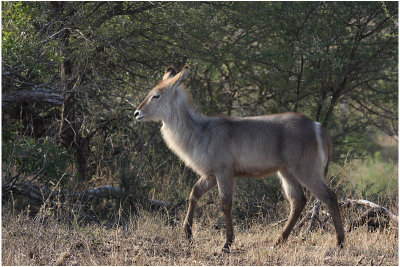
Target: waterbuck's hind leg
{"points": [[317, 186], [294, 193], [204, 184], [330, 200]]}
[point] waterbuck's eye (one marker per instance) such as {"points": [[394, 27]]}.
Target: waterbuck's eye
{"points": [[155, 96]]}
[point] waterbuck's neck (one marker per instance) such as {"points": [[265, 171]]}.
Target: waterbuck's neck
{"points": [[182, 118], [182, 126]]}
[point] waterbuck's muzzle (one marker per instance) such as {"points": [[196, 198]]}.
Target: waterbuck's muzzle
{"points": [[138, 114]]}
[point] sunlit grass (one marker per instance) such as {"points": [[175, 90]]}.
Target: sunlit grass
{"points": [[150, 240], [373, 177]]}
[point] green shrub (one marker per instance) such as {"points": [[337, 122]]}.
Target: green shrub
{"points": [[31, 158]]}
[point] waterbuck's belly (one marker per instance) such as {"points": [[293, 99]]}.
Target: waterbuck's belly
{"points": [[256, 161], [256, 168]]}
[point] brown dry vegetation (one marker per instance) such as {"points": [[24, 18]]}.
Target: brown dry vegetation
{"points": [[59, 235], [148, 239]]}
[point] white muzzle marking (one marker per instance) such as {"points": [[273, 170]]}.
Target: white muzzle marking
{"points": [[138, 114]]}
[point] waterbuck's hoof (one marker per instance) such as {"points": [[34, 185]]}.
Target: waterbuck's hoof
{"points": [[340, 243], [227, 248], [188, 231], [279, 242]]}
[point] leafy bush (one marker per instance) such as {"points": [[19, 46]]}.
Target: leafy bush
{"points": [[30, 158]]}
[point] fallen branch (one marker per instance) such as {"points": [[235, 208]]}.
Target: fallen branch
{"points": [[368, 203], [367, 217], [42, 193], [105, 191], [375, 217], [159, 203], [36, 95]]}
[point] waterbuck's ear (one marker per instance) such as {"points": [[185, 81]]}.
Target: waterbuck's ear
{"points": [[169, 73], [181, 76]]}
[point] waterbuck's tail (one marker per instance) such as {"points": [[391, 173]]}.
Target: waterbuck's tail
{"points": [[326, 140], [324, 144]]}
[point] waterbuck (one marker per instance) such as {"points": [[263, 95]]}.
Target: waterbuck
{"points": [[222, 148]]}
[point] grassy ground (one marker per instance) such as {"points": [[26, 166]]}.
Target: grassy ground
{"points": [[150, 240], [154, 238]]}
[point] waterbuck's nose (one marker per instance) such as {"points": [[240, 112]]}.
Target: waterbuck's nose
{"points": [[138, 114]]}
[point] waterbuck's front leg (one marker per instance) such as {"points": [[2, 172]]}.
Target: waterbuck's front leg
{"points": [[204, 184], [225, 187], [295, 194]]}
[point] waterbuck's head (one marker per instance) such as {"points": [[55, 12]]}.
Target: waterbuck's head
{"points": [[158, 104]]}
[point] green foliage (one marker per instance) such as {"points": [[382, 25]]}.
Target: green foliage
{"points": [[34, 159], [22, 44], [353, 144]]}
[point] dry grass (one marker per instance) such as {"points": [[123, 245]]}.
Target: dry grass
{"points": [[150, 240]]}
